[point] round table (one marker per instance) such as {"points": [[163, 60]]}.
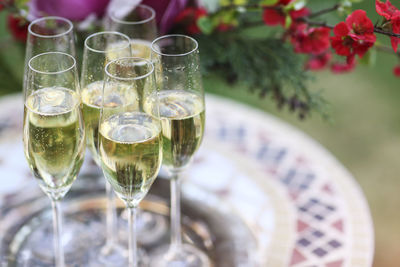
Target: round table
{"points": [[304, 207]]}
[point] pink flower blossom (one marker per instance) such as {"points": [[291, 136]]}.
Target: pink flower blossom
{"points": [[75, 10], [166, 12]]}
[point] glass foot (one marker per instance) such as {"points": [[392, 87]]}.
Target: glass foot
{"points": [[186, 256], [115, 256], [107, 256], [38, 249], [150, 227]]}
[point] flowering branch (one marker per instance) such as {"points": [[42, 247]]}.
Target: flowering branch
{"points": [[381, 31], [305, 19], [324, 24], [352, 39]]}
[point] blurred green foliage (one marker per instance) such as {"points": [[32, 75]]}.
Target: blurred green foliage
{"points": [[11, 60]]}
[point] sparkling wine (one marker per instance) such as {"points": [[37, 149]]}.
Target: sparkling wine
{"points": [[182, 119], [131, 153], [116, 50], [141, 48], [54, 137], [92, 101]]}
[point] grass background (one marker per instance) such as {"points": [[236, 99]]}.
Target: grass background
{"points": [[364, 133]]}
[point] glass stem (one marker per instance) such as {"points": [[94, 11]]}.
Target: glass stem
{"points": [[132, 237], [57, 231], [176, 236], [111, 218]]}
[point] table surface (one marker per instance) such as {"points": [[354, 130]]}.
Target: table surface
{"points": [[304, 206]]}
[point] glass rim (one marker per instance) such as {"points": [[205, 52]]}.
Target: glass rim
{"points": [[148, 62], [54, 72], [153, 45], [152, 16], [71, 26], [104, 33]]}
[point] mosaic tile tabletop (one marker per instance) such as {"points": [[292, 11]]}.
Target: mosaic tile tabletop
{"points": [[304, 207]]}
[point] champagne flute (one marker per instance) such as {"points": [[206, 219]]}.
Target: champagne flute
{"points": [[53, 130], [139, 24], [53, 34], [130, 144], [100, 48], [49, 34], [182, 112]]}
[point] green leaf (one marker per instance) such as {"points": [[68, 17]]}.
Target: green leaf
{"points": [[205, 24], [228, 17], [345, 8], [225, 2], [369, 58], [288, 22], [234, 2], [296, 5], [268, 2], [240, 2], [211, 5], [21, 4]]}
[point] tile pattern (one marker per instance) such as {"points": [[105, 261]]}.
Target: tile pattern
{"points": [[319, 187]]}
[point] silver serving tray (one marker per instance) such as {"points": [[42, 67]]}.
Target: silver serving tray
{"points": [[207, 222]]}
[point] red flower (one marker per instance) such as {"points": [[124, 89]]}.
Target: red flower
{"points": [[386, 10], [392, 14], [188, 17], [18, 28], [360, 26], [355, 36], [396, 71], [295, 14], [273, 17], [284, 2], [341, 42], [396, 29], [349, 65], [311, 40], [224, 27], [3, 4], [318, 62]]}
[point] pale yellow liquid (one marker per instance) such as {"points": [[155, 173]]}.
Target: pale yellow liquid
{"points": [[182, 119], [131, 153], [141, 48], [54, 137], [119, 97]]}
